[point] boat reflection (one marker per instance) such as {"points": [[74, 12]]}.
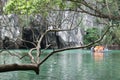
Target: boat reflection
{"points": [[98, 56]]}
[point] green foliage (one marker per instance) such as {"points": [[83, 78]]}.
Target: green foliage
{"points": [[112, 7], [30, 6], [113, 36], [36, 6], [91, 35]]}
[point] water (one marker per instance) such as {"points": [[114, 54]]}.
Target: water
{"points": [[72, 65]]}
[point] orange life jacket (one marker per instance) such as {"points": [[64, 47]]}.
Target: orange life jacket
{"points": [[99, 48]]}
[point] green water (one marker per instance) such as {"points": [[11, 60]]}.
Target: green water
{"points": [[71, 65]]}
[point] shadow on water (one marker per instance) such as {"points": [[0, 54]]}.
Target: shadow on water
{"points": [[71, 65]]}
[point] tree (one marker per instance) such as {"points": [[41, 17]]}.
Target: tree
{"points": [[91, 35], [99, 8]]}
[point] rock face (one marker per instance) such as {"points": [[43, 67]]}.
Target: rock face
{"points": [[32, 35], [55, 40], [13, 36], [9, 31]]}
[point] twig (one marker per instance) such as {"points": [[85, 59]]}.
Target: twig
{"points": [[31, 56]]}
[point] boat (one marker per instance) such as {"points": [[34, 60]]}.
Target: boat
{"points": [[99, 49]]}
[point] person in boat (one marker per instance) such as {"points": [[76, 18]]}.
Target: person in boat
{"points": [[92, 48], [97, 49]]}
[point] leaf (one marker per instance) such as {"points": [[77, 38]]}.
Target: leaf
{"points": [[47, 1]]}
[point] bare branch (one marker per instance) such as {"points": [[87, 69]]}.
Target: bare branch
{"points": [[31, 56], [28, 41]]}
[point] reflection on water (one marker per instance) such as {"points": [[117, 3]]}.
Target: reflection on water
{"points": [[98, 56], [71, 65]]}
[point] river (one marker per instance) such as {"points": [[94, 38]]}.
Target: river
{"points": [[71, 65]]}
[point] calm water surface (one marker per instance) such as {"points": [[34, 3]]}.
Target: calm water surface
{"points": [[71, 65]]}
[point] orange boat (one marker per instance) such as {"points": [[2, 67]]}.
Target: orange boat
{"points": [[98, 49]]}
